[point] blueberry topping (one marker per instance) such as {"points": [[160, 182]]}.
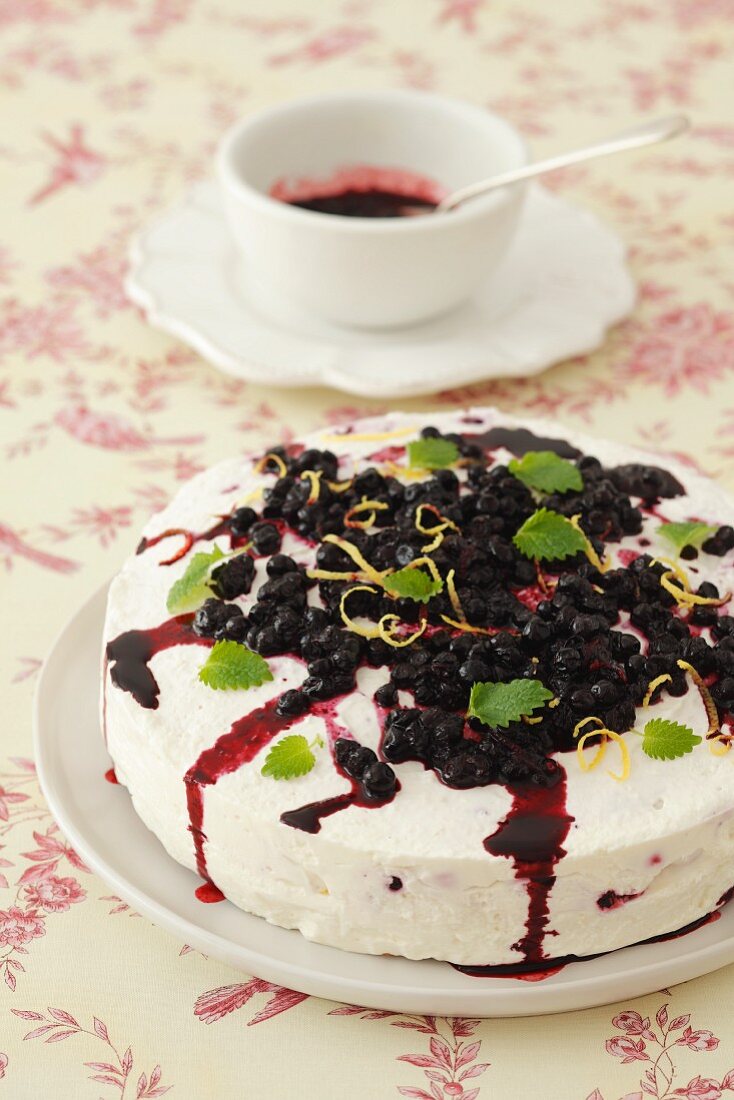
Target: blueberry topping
{"points": [[572, 636]]}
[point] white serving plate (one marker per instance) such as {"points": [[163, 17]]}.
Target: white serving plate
{"points": [[100, 822], [562, 284]]}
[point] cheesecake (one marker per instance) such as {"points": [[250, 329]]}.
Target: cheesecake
{"points": [[454, 686]]}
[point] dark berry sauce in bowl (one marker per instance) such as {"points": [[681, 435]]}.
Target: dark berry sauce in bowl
{"points": [[362, 191]]}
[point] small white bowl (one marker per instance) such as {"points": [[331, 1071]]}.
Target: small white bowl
{"points": [[369, 272]]}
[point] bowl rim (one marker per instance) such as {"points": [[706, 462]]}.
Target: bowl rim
{"points": [[474, 211]]}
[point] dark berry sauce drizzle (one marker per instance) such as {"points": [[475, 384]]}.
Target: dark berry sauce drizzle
{"points": [[229, 752], [130, 653], [532, 836], [518, 441], [567, 637], [308, 818], [208, 893], [538, 971], [241, 744]]}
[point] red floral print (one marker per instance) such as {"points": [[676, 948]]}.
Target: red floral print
{"points": [[117, 1073], [39, 891], [76, 163], [658, 1045], [684, 347], [217, 1003], [332, 43], [7, 798], [54, 894], [462, 12], [51, 330], [448, 1062], [13, 545], [85, 379], [18, 928]]}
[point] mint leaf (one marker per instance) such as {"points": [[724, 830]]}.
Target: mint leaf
{"points": [[547, 472], [413, 584], [230, 666], [686, 534], [191, 589], [290, 757], [433, 453], [497, 704], [546, 535], [666, 740]]}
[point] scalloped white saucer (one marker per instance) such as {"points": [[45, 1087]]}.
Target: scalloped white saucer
{"points": [[100, 822], [563, 283]]}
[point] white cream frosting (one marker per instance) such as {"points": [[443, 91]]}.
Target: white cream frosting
{"points": [[665, 834]]}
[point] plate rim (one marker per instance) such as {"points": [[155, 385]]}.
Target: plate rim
{"points": [[500, 999]]}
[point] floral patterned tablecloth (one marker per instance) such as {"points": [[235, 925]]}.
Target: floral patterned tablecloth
{"points": [[109, 108]]}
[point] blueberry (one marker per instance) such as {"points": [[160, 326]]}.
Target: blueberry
{"points": [[352, 757], [582, 701], [474, 671], [346, 656], [265, 538], [211, 620], [624, 645], [234, 578], [723, 627], [720, 542], [236, 629], [386, 695], [280, 564], [329, 686], [723, 691], [703, 616], [605, 694], [264, 641], [405, 737], [378, 780], [315, 618], [241, 521], [469, 768], [292, 704], [368, 483], [535, 634], [588, 626], [288, 588]]}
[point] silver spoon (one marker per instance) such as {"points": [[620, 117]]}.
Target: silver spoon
{"points": [[649, 133]]}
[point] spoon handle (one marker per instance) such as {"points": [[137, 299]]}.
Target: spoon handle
{"points": [[648, 133]]}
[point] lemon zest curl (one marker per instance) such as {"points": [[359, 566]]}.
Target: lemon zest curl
{"points": [[652, 687], [606, 735], [261, 464]]}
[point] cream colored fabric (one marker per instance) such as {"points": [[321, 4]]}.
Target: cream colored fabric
{"points": [[109, 108]]}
